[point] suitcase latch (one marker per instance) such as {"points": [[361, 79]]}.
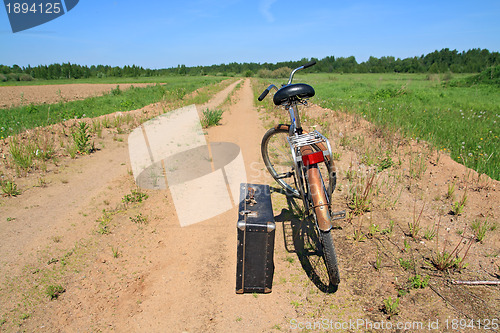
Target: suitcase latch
{"points": [[249, 213]]}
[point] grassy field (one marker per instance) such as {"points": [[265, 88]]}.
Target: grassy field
{"points": [[95, 80], [461, 121], [18, 119]]}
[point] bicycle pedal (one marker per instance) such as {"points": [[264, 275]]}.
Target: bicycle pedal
{"points": [[340, 215], [285, 175]]}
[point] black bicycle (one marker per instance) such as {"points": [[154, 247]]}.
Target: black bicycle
{"points": [[302, 164]]}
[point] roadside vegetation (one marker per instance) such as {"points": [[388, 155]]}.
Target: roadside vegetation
{"points": [[462, 121], [411, 229], [19, 119]]}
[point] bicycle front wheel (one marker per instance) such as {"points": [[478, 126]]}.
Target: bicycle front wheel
{"points": [[278, 159]]}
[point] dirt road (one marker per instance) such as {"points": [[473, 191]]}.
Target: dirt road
{"points": [[130, 267]]}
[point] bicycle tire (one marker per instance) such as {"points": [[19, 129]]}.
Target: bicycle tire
{"points": [[330, 257], [277, 157]]}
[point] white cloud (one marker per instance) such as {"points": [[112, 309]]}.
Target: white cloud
{"points": [[265, 9]]}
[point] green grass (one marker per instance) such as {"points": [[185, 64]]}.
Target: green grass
{"points": [[462, 121], [19, 119], [104, 80]]}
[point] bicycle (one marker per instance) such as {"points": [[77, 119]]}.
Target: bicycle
{"points": [[302, 164]]}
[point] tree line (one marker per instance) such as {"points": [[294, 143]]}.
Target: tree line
{"points": [[443, 61]]}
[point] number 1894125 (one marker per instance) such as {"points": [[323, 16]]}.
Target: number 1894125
{"points": [[479, 324], [36, 8]]}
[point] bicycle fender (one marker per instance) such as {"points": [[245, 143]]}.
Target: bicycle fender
{"points": [[282, 127], [319, 199]]}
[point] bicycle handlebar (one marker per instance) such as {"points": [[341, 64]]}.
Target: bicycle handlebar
{"points": [[309, 64], [263, 95]]}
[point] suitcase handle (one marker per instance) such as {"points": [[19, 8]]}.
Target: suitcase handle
{"points": [[251, 197]]}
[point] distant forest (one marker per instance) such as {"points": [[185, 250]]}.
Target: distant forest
{"points": [[443, 61]]}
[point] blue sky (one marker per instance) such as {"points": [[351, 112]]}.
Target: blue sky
{"points": [[161, 34]]}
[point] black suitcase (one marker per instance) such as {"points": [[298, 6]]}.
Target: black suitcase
{"points": [[256, 229]]}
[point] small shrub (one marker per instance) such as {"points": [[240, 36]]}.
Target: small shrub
{"points": [[417, 282], [211, 118], [134, 196], [81, 139], [450, 194], [21, 155], [116, 91], [389, 229], [391, 307], [429, 234], [459, 206], [444, 260], [359, 236], [104, 220], [54, 291], [406, 264], [25, 77], [139, 219], [414, 226], [9, 188], [418, 166], [361, 197], [386, 163], [480, 228]]}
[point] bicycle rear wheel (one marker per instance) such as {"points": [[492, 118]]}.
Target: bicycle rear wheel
{"points": [[278, 159], [330, 256], [319, 204]]}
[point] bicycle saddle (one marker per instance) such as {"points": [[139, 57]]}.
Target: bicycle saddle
{"points": [[292, 92]]}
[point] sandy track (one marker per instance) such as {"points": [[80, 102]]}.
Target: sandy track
{"points": [[169, 278], [49, 94]]}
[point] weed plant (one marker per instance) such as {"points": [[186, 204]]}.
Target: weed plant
{"points": [[430, 233], [360, 196], [211, 118], [391, 307], [21, 155], [139, 219], [459, 206], [406, 264], [81, 139], [480, 228], [414, 226], [419, 282], [115, 251], [444, 260], [54, 291], [9, 188], [135, 196]]}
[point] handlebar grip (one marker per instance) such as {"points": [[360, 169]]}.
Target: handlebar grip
{"points": [[263, 95], [310, 63]]}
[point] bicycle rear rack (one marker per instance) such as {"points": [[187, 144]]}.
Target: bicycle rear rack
{"points": [[308, 139]]}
